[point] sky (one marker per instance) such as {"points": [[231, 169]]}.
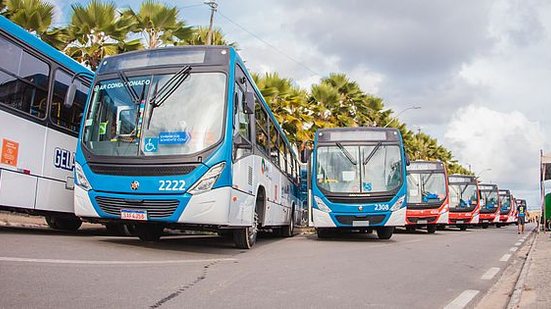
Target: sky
{"points": [[479, 69]]}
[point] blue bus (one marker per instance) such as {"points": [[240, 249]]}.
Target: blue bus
{"points": [[358, 181], [38, 126], [181, 137]]}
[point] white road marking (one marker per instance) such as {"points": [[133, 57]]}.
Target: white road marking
{"points": [[96, 262], [490, 273], [518, 243], [505, 257], [462, 300], [513, 249]]}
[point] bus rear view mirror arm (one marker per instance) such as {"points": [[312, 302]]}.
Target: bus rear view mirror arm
{"points": [[248, 107], [241, 143]]}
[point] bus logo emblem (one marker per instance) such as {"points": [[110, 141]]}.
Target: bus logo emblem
{"points": [[134, 185], [360, 208]]}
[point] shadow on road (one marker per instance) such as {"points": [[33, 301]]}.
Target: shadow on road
{"points": [[351, 237], [99, 231], [206, 244]]}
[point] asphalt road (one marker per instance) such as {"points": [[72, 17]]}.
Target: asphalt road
{"points": [[41, 268]]}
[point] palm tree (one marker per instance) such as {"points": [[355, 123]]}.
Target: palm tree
{"points": [[199, 37], [36, 17], [158, 24], [98, 30], [289, 105]]}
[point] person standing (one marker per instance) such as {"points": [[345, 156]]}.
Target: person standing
{"points": [[521, 217]]}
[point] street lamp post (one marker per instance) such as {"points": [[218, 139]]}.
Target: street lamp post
{"points": [[401, 112]]}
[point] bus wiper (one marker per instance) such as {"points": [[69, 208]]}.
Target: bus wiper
{"points": [[347, 154], [126, 82], [159, 96], [372, 153]]}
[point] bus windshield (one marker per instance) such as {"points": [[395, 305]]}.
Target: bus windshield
{"points": [[463, 197], [489, 200], [505, 203], [359, 169], [129, 116], [426, 188]]}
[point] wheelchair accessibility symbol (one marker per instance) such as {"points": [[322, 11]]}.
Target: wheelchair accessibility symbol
{"points": [[151, 144]]}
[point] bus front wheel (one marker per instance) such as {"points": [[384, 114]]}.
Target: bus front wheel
{"points": [[63, 223], [385, 232], [245, 238], [323, 233], [462, 227], [148, 232], [485, 225], [431, 229]]}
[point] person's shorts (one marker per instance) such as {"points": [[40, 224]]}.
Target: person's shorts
{"points": [[521, 219]]}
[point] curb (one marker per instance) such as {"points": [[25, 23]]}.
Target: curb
{"points": [[514, 301]]}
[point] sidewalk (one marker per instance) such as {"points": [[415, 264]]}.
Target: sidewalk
{"points": [[537, 287]]}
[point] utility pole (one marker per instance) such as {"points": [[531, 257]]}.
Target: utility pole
{"points": [[213, 6]]}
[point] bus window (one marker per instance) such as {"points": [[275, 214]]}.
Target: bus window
{"points": [[274, 137], [24, 80], [281, 152], [261, 127], [67, 117]]}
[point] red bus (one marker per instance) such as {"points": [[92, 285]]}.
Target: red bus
{"points": [[464, 201], [489, 204], [428, 198], [508, 208]]}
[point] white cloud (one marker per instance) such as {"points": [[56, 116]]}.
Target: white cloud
{"points": [[507, 143]]}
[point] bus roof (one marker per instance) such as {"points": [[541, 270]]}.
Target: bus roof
{"points": [[358, 134], [166, 56], [487, 186], [425, 165], [40, 46], [504, 191], [458, 178]]}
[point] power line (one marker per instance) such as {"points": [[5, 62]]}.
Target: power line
{"points": [[268, 43]]}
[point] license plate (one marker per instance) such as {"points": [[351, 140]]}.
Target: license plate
{"points": [[484, 221], [131, 214], [422, 221], [360, 223], [459, 221]]}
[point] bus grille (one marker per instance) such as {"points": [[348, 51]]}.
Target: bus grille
{"points": [[141, 170], [154, 208], [373, 220], [428, 219]]}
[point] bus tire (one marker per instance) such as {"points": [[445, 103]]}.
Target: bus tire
{"points": [[245, 238], [498, 225], [431, 228], [462, 227], [485, 225], [63, 223], [149, 232], [385, 232], [288, 230], [410, 228]]}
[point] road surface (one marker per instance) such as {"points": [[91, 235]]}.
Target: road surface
{"points": [[90, 269]]}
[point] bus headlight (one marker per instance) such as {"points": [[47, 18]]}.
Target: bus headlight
{"points": [[208, 180], [398, 204], [81, 180], [321, 205]]}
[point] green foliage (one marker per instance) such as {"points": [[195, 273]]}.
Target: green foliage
{"points": [[98, 30], [158, 24], [199, 37]]}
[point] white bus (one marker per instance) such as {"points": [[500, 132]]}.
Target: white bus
{"points": [[38, 133]]}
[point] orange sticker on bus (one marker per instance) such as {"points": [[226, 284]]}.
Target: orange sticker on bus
{"points": [[10, 152]]}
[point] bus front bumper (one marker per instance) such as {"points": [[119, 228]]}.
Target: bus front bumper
{"points": [[426, 216], [458, 218], [323, 219], [218, 207]]}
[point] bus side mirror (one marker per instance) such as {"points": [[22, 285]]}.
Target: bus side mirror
{"points": [[408, 161], [248, 107], [70, 97]]}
